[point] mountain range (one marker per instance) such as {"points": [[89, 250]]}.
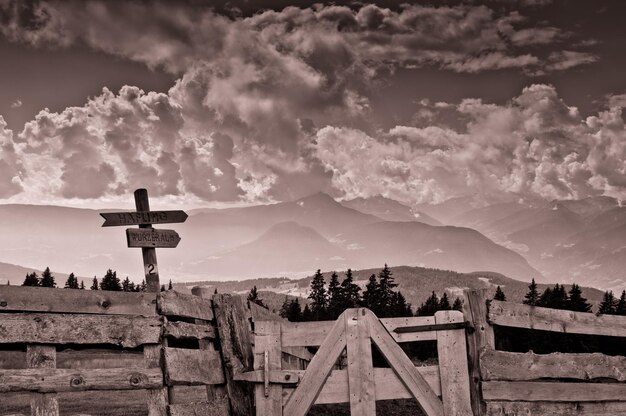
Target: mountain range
{"points": [[560, 241]]}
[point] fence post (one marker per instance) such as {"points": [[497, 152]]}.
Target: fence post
{"points": [[453, 368], [157, 399], [236, 349], [478, 340], [40, 356], [267, 350]]}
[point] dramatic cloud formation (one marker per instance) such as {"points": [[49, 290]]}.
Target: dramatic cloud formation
{"points": [[278, 105]]}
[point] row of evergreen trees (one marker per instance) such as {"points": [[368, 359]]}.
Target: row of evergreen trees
{"points": [[47, 280]]}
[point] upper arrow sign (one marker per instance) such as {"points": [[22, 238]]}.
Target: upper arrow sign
{"points": [[149, 237], [142, 217]]}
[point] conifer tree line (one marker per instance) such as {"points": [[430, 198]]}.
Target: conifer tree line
{"points": [[110, 281]]}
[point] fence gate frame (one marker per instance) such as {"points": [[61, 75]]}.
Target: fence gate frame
{"points": [[355, 331]]}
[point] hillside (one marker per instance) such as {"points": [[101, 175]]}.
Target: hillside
{"points": [[15, 274], [389, 210]]}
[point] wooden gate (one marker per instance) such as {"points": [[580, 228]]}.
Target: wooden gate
{"points": [[440, 390]]}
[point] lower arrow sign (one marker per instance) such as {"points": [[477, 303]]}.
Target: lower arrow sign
{"points": [[150, 237]]}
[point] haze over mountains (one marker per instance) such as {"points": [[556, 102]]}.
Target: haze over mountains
{"points": [[563, 240]]}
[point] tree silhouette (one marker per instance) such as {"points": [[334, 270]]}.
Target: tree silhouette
{"points": [[429, 307], [94, 284], [620, 308], [608, 304], [82, 285], [499, 295], [371, 295], [457, 305], [532, 297], [31, 280], [253, 296], [127, 285], [350, 291], [71, 282], [576, 301], [336, 301], [444, 303], [47, 279], [385, 292], [169, 286], [111, 282], [318, 296]]}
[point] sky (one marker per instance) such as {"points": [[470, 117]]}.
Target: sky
{"points": [[230, 103]]}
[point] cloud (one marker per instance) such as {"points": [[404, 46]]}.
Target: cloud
{"points": [[562, 60], [16, 104], [10, 164], [534, 147]]}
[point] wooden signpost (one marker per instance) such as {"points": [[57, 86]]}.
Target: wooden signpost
{"points": [[146, 237]]}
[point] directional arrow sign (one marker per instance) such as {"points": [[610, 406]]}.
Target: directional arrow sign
{"points": [[112, 219], [149, 237]]}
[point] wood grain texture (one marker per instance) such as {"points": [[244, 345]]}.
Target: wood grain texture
{"points": [[555, 320], [123, 330], [218, 407], [189, 367], [172, 303], [511, 366], [360, 367], [156, 399], [52, 380], [453, 367], [387, 384], [236, 348], [556, 392], [45, 299], [555, 409], [267, 338], [413, 321], [42, 357], [185, 330], [404, 368]]}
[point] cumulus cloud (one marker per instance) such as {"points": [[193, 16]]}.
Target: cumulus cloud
{"points": [[534, 147], [10, 164], [16, 104]]}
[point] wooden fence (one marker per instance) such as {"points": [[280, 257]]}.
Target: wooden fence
{"points": [[556, 384], [163, 346]]}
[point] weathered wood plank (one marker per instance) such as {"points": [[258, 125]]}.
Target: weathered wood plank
{"points": [[555, 409], [156, 399], [100, 358], [558, 392], [387, 385], [511, 366], [189, 367], [45, 299], [185, 330], [172, 303], [236, 348], [267, 341], [311, 334], [42, 357], [360, 366], [124, 330], [452, 357], [218, 407], [187, 394], [555, 320], [404, 368], [52, 380], [478, 340]]}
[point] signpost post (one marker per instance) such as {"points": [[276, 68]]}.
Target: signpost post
{"points": [[145, 236]]}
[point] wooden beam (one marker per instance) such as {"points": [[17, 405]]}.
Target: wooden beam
{"points": [[52, 380], [360, 366], [42, 357], [47, 299], [557, 392], [555, 320], [192, 367], [122, 330], [236, 349], [318, 370], [453, 367], [555, 409], [404, 368], [387, 385], [267, 349], [156, 399], [172, 303], [218, 407], [511, 366], [184, 330], [151, 269]]}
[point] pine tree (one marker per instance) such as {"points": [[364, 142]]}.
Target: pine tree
{"points": [[499, 294], [169, 286], [400, 308], [576, 301], [620, 309], [162, 288], [545, 300], [457, 305], [82, 285], [294, 312], [127, 285], [608, 304], [71, 282], [31, 280], [318, 296], [94, 284], [336, 304], [284, 309], [429, 307], [385, 291], [444, 303], [350, 291], [371, 297], [532, 297], [111, 282], [143, 286], [307, 315], [47, 279], [253, 296]]}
